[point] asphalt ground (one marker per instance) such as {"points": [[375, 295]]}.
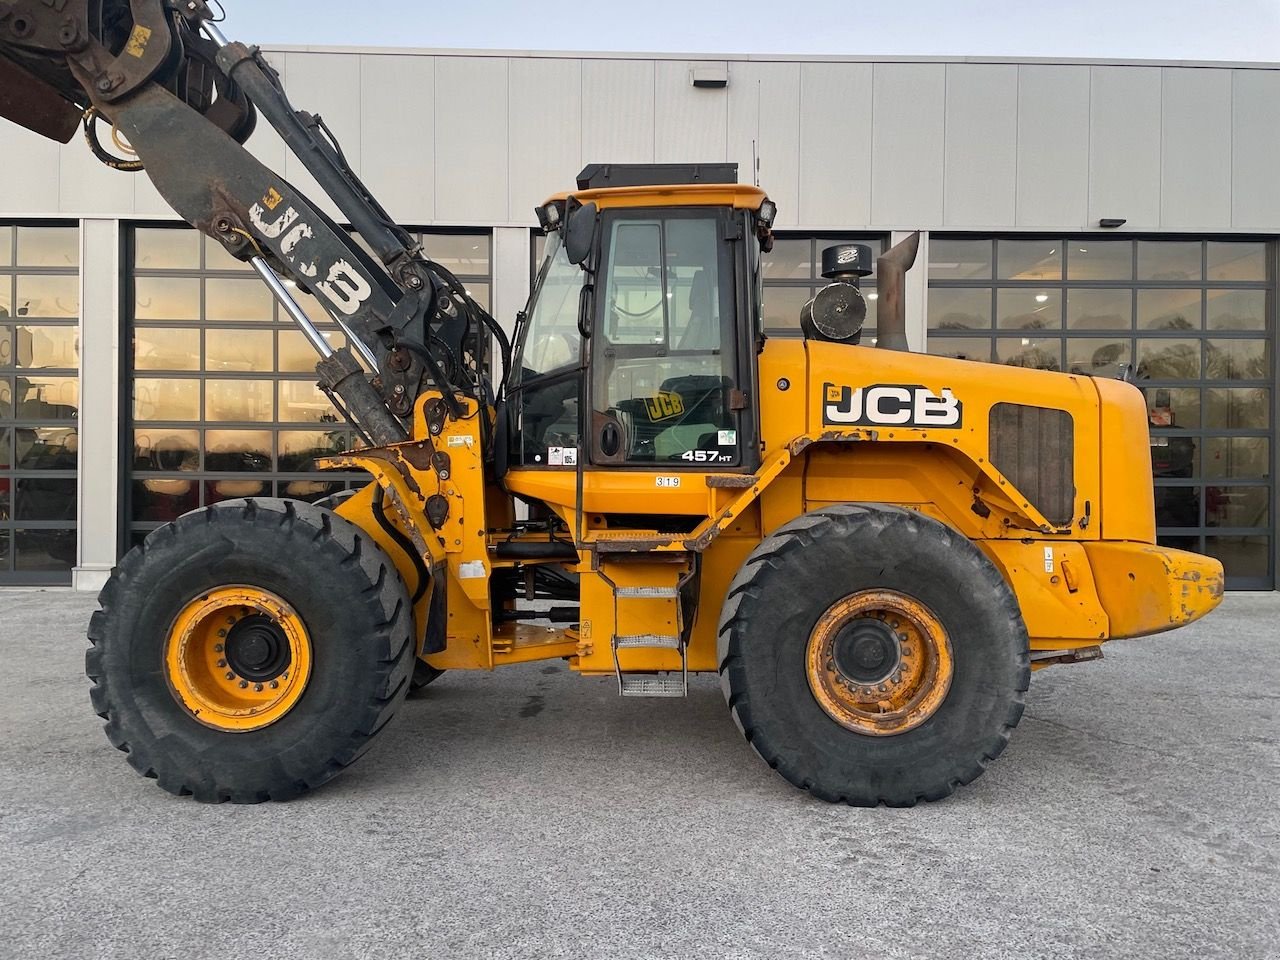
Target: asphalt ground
{"points": [[532, 813]]}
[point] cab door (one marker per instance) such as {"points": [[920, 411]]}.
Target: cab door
{"points": [[668, 357]]}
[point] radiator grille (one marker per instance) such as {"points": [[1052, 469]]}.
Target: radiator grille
{"points": [[1034, 447]]}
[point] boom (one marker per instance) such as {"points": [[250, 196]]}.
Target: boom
{"points": [[162, 74]]}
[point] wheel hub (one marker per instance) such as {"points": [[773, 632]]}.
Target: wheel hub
{"points": [[237, 658], [866, 651], [257, 648], [879, 662]]}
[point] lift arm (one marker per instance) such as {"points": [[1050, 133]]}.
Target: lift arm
{"points": [[185, 99]]}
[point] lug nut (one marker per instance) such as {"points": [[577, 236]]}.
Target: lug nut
{"points": [[230, 675], [275, 684], [257, 688], [222, 663], [217, 648], [244, 684], [222, 633]]}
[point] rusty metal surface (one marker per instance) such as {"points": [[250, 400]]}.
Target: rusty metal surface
{"points": [[731, 481], [891, 282], [30, 102]]}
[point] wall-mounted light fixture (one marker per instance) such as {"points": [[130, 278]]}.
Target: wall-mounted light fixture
{"points": [[1110, 223]]}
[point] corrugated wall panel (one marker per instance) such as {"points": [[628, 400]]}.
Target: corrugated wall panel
{"points": [[472, 136], [1053, 146], [835, 144], [1124, 148], [1255, 155], [764, 121], [691, 125], [398, 94], [906, 178], [546, 136], [1195, 181], [617, 111], [981, 161]]}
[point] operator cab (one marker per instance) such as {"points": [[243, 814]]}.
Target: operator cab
{"points": [[641, 336]]}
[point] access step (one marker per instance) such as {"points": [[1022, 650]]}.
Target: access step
{"points": [[647, 593], [654, 685], [649, 641]]}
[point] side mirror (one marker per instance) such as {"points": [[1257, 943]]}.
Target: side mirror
{"points": [[579, 232]]}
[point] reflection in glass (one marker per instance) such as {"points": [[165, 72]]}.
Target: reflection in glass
{"points": [[160, 249], [1238, 409], [1034, 352], [302, 402], [1248, 556], [959, 259], [44, 551], [239, 351], [1099, 358], [46, 398], [1173, 406], [1100, 260], [1169, 309], [1030, 259], [166, 298], [216, 491], [46, 347], [1169, 260], [47, 448], [788, 260], [6, 298], [463, 254], [1237, 457], [44, 499], [158, 450], [237, 451], [299, 449], [1237, 260], [161, 499], [1237, 360], [782, 306], [953, 309], [238, 300], [1099, 309], [217, 258], [1168, 359], [6, 548], [479, 293], [1177, 506], [1237, 506], [55, 298], [156, 348], [166, 399], [6, 246], [1174, 456], [48, 247], [296, 355], [961, 348], [1237, 309], [308, 490], [238, 400], [1029, 309]]}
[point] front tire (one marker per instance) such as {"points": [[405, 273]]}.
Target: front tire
{"points": [[250, 651], [873, 655]]}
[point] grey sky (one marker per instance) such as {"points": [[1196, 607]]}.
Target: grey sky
{"points": [[1128, 29]]}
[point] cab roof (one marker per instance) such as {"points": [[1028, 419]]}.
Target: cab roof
{"points": [[736, 195]]}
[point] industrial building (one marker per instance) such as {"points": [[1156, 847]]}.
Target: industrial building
{"points": [[1102, 218]]}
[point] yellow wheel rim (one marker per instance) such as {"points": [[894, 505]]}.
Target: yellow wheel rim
{"points": [[879, 663], [238, 658]]}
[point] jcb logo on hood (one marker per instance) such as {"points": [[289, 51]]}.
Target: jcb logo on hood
{"points": [[890, 405]]}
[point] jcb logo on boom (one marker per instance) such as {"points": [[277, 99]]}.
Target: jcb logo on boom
{"points": [[890, 405]]}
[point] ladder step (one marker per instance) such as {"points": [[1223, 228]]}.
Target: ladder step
{"points": [[647, 593], [646, 640], [653, 685]]}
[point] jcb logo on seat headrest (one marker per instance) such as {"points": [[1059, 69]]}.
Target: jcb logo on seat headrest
{"points": [[890, 405]]}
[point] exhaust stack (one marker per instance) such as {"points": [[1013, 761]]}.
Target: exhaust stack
{"points": [[891, 282]]}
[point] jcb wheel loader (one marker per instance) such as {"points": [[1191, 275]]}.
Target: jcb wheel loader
{"points": [[872, 548]]}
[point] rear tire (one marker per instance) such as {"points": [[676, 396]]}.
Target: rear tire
{"points": [[356, 620], [825, 562]]}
